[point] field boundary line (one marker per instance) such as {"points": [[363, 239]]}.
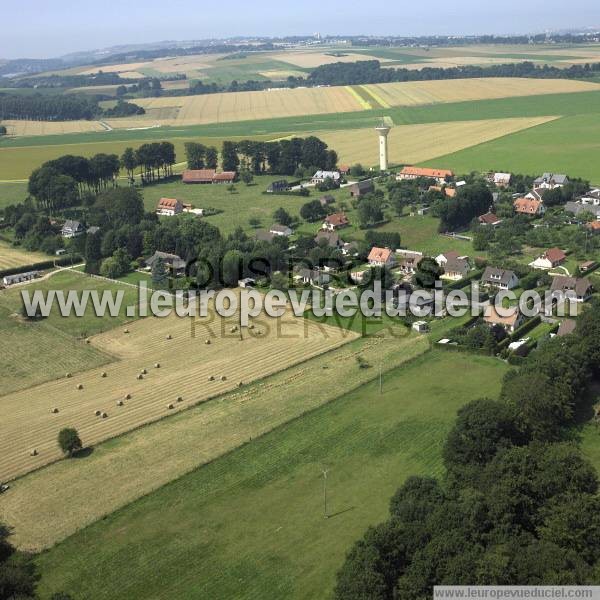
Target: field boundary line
{"points": [[382, 103], [363, 103]]}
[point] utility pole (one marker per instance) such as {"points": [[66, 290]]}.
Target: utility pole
{"points": [[325, 471], [380, 377]]}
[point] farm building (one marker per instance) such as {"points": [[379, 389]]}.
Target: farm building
{"points": [[281, 185], [489, 219], [592, 197], [280, 230], [321, 176], [173, 263], [527, 206], [577, 208], [578, 289], [169, 207], [509, 323], [440, 175], [420, 326], [335, 221], [552, 258], [72, 229], [588, 265], [207, 176], [362, 188], [20, 277], [549, 181], [503, 279], [502, 180], [381, 257]]}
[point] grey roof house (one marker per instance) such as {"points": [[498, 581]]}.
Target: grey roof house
{"points": [[72, 229], [551, 180], [314, 277], [579, 287], [503, 279], [173, 263], [362, 188]]}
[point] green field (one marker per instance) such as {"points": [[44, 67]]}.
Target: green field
{"points": [[12, 193], [567, 145], [250, 525]]}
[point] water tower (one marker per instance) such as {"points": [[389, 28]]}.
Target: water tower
{"points": [[382, 129]]}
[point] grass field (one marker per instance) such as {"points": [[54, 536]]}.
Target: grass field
{"points": [[186, 365], [250, 525], [15, 257], [566, 145], [417, 143], [12, 192]]}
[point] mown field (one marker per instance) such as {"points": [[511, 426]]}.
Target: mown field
{"points": [[250, 525], [12, 192], [566, 145], [15, 257]]}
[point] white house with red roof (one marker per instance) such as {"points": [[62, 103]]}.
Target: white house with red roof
{"points": [[552, 258], [168, 207], [381, 257]]}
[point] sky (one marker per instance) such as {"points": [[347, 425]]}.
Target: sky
{"points": [[50, 28]]}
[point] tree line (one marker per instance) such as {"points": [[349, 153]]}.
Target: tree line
{"points": [[67, 107], [518, 503]]}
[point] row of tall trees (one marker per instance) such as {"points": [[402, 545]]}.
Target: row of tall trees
{"points": [[199, 156], [519, 503], [155, 161]]}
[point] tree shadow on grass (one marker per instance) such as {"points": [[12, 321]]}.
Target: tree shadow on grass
{"points": [[83, 453]]}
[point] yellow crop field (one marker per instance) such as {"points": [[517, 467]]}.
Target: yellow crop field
{"points": [[186, 364], [21, 128], [242, 106], [131, 466], [310, 60], [16, 257], [417, 143], [414, 93]]}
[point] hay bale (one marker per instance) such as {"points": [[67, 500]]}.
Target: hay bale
{"points": [[80, 386], [170, 406], [157, 365], [104, 415], [223, 378], [68, 375], [211, 378], [140, 376], [234, 329], [169, 337], [143, 371], [126, 331], [119, 402], [179, 398], [127, 396], [97, 413], [33, 452], [207, 342], [54, 411], [87, 340], [103, 374], [251, 326]]}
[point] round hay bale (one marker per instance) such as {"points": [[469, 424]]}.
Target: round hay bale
{"points": [[211, 378], [97, 413], [258, 332], [33, 452], [104, 415], [169, 337], [143, 371], [157, 365], [223, 378], [104, 374], [170, 406], [80, 386], [54, 411], [234, 329], [119, 402], [240, 384], [68, 375], [140, 376], [179, 398], [87, 340], [127, 396], [207, 342], [251, 326], [126, 331]]}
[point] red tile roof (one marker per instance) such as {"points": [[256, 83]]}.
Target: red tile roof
{"points": [[527, 206], [489, 218], [555, 255], [594, 225], [198, 176], [337, 219], [379, 254], [168, 203], [224, 176], [426, 172]]}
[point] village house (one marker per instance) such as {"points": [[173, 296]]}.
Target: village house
{"points": [[440, 175], [588, 265], [578, 289], [314, 277], [502, 279], [280, 230], [455, 267], [509, 323], [550, 181], [247, 282], [535, 194], [344, 169], [72, 229], [280, 185], [206, 176], [169, 207], [527, 206], [330, 238], [552, 258], [502, 180], [381, 257], [362, 188], [20, 277], [408, 261], [174, 264], [592, 198], [449, 192], [350, 249], [489, 219], [335, 221], [578, 209], [321, 176]]}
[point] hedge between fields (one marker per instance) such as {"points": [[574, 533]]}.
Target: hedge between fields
{"points": [[40, 266]]}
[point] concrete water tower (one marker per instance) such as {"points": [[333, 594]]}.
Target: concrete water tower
{"points": [[383, 131]]}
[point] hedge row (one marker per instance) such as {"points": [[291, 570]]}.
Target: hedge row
{"points": [[40, 266]]}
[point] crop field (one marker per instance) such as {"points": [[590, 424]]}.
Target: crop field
{"points": [[414, 93], [124, 469], [15, 257], [238, 106], [251, 524], [20, 128], [417, 143], [186, 363], [566, 145]]}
